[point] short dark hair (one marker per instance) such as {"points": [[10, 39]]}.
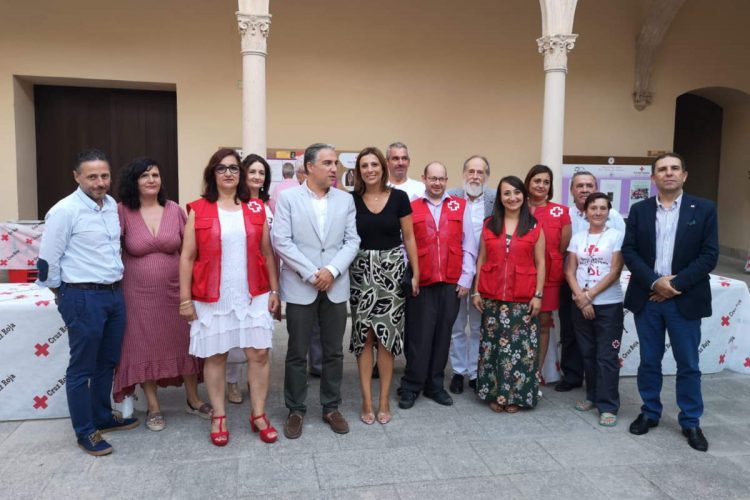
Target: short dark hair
{"points": [[89, 155], [597, 196], [359, 185], [127, 185], [211, 190], [526, 221], [669, 155], [540, 169], [263, 194], [311, 152]]}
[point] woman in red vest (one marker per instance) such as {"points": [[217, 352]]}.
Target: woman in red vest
{"points": [[555, 222], [508, 292], [229, 287]]}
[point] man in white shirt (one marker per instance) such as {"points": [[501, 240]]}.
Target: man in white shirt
{"points": [[397, 157], [465, 344], [582, 185]]}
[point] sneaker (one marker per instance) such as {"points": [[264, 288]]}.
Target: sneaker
{"points": [[94, 444], [119, 424]]}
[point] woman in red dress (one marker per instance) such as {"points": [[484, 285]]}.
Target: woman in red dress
{"points": [[555, 222]]}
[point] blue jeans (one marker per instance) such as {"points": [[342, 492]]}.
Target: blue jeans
{"points": [[685, 338], [96, 323]]}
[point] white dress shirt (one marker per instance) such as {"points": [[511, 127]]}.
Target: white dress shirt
{"points": [[666, 231], [320, 207]]}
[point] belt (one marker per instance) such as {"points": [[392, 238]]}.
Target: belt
{"points": [[95, 286]]}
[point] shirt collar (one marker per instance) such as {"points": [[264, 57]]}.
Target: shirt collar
{"points": [[675, 203], [427, 198], [91, 204], [311, 193]]}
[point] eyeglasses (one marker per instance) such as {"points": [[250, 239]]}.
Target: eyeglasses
{"points": [[230, 169], [437, 179]]}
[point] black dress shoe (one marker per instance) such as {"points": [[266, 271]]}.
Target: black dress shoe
{"points": [[563, 386], [441, 397], [473, 384], [457, 384], [642, 424], [696, 439], [406, 399]]}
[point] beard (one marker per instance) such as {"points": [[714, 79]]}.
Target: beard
{"points": [[473, 189]]}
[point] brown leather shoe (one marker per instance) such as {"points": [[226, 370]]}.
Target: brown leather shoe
{"points": [[293, 426], [337, 422]]}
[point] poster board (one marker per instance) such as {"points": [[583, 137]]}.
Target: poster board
{"points": [[627, 180]]}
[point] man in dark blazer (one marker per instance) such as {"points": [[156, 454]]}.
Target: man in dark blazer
{"points": [[671, 245]]}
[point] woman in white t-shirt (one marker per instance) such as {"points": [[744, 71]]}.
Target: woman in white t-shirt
{"points": [[593, 271]]}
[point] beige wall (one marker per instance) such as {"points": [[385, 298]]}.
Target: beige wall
{"points": [[449, 82]]}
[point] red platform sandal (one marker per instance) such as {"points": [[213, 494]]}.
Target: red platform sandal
{"points": [[221, 437], [264, 433]]}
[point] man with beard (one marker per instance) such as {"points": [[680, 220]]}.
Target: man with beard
{"points": [[465, 344]]}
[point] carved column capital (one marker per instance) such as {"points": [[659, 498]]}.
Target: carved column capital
{"points": [[555, 49], [254, 30]]}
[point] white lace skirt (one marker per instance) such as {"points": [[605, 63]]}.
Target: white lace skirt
{"points": [[231, 322]]}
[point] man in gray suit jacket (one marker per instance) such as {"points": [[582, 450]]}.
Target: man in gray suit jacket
{"points": [[465, 344], [315, 234]]}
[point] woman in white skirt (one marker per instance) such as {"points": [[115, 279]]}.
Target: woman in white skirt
{"points": [[229, 287]]}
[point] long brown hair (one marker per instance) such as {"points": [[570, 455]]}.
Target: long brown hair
{"points": [[359, 184]]}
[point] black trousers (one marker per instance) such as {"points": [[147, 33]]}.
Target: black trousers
{"points": [[429, 320], [300, 320], [571, 361], [599, 340]]}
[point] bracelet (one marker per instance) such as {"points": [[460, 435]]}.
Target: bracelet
{"points": [[185, 306], [274, 292], [476, 294], [189, 301]]}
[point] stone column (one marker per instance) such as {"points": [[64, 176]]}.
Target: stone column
{"points": [[254, 24], [555, 43]]}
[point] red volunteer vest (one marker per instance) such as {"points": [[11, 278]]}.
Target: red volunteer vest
{"points": [[553, 218], [508, 276], [440, 252], [207, 265]]}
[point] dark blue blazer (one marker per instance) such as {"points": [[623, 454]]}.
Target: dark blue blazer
{"points": [[696, 252]]}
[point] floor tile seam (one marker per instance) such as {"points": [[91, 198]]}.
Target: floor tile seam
{"points": [[435, 472]]}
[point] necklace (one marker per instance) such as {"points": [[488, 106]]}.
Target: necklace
{"points": [[590, 249]]}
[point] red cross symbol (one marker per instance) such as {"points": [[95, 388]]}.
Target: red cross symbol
{"points": [[725, 283], [40, 402], [30, 262], [556, 212], [725, 321], [4, 237], [453, 205], [592, 249], [722, 357], [747, 363], [42, 350], [29, 241], [616, 344], [254, 207], [42, 303], [3, 262]]}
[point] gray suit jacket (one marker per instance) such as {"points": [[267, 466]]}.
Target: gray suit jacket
{"points": [[303, 249], [489, 198]]}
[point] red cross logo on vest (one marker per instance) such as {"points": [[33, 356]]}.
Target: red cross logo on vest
{"points": [[453, 205], [556, 212], [254, 207]]}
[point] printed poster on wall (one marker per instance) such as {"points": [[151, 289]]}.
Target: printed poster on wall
{"points": [[625, 185]]}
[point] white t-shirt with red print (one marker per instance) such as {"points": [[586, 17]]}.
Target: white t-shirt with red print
{"points": [[594, 253]]}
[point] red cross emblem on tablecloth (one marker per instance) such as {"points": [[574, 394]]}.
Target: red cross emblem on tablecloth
{"points": [[556, 211], [4, 237], [42, 303], [29, 241], [30, 262], [453, 205], [42, 350], [725, 283], [40, 402], [747, 363], [722, 358], [3, 262], [254, 207], [725, 321]]}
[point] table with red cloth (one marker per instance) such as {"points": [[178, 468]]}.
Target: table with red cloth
{"points": [[725, 336]]}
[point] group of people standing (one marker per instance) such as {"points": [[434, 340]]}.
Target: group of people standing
{"points": [[195, 293]]}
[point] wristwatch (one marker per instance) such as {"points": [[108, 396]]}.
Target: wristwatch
{"points": [[538, 295]]}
